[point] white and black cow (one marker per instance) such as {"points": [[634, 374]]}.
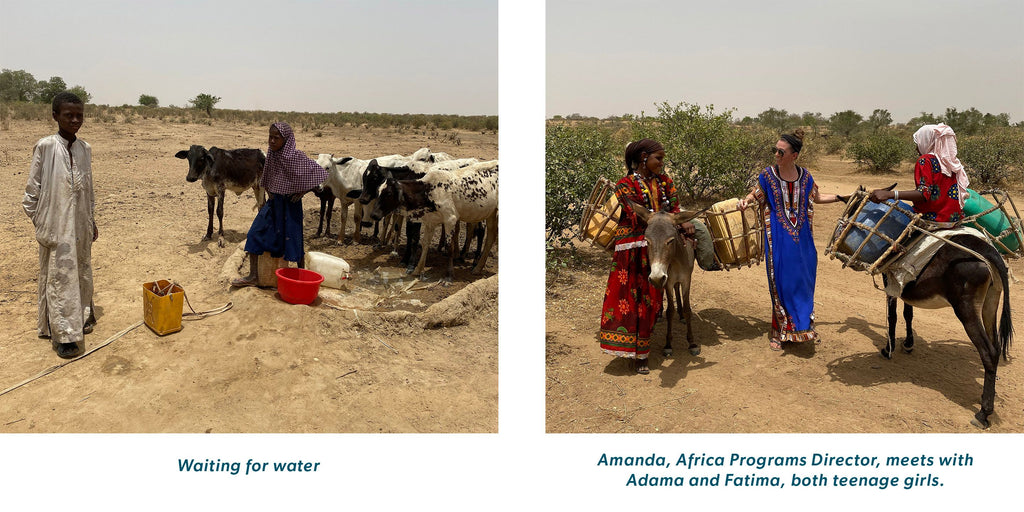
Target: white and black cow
{"points": [[344, 181], [236, 170], [375, 176], [445, 197]]}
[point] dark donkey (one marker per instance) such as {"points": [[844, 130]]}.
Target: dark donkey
{"points": [[671, 257], [957, 279]]}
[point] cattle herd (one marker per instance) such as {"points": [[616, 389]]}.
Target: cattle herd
{"points": [[420, 192]]}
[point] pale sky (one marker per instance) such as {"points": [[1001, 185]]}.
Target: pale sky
{"points": [[394, 56], [906, 56]]}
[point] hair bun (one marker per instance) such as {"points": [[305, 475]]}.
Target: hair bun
{"points": [[799, 134]]}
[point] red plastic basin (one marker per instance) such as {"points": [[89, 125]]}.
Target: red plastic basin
{"points": [[298, 285]]}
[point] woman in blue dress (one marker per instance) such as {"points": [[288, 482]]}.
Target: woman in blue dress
{"points": [[784, 194]]}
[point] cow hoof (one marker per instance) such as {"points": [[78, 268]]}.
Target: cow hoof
{"points": [[886, 353], [694, 350], [667, 352], [220, 242]]}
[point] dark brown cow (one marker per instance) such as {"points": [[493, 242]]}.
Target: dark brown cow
{"points": [[236, 170]]}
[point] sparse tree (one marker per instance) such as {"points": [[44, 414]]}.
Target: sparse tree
{"points": [[813, 120], [148, 101], [999, 120], [79, 91], [968, 122], [17, 85], [923, 119], [845, 122], [879, 118], [47, 89], [205, 102], [774, 118]]}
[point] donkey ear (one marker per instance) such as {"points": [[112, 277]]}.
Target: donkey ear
{"points": [[684, 216], [640, 210]]}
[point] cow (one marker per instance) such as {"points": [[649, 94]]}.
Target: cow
{"points": [[373, 180], [444, 197], [326, 207], [344, 179], [236, 170]]}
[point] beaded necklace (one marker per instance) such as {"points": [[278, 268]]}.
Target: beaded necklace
{"points": [[646, 192]]}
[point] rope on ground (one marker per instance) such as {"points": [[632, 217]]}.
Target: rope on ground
{"points": [[199, 315]]}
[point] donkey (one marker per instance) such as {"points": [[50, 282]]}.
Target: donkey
{"points": [[954, 278], [671, 259], [957, 279]]}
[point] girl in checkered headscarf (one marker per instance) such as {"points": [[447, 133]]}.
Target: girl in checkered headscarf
{"points": [[287, 176]]}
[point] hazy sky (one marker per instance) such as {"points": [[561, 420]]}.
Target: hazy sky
{"points": [[429, 56], [906, 56]]}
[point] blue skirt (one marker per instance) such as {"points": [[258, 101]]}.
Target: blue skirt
{"points": [[277, 229]]}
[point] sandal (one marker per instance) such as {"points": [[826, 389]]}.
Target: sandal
{"points": [[775, 345], [242, 282], [641, 367]]}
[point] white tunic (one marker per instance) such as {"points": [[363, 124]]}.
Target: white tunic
{"points": [[59, 200]]}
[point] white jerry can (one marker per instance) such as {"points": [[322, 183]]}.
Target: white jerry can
{"points": [[334, 269]]}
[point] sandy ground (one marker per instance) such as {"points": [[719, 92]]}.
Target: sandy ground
{"points": [[737, 384], [264, 365]]}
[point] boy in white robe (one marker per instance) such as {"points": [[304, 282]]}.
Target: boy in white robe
{"points": [[59, 200]]}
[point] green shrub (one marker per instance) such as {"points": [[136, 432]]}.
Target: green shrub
{"points": [[833, 144], [993, 157], [708, 157], [575, 157], [881, 151]]}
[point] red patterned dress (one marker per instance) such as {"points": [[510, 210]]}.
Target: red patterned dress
{"points": [[941, 193], [631, 303]]}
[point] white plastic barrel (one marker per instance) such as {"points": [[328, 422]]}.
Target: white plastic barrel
{"points": [[334, 269]]}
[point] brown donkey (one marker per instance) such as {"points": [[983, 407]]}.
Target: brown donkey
{"points": [[671, 258]]}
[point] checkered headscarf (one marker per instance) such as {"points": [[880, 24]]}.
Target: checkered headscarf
{"points": [[290, 171]]}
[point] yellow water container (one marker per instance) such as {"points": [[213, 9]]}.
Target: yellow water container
{"points": [[162, 303], [737, 234], [602, 225]]}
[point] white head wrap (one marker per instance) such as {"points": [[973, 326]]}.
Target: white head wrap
{"points": [[939, 140]]}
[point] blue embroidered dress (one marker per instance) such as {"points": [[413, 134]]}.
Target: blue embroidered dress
{"points": [[790, 256]]}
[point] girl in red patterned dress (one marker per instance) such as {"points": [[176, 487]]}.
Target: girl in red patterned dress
{"points": [[631, 303], [940, 178]]}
